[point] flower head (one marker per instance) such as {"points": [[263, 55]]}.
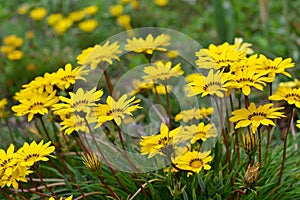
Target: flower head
{"points": [[290, 95], [97, 54], [149, 45], [199, 132], [262, 115], [92, 162], [64, 78], [88, 26], [188, 115], [33, 152], [38, 14], [90, 10], [13, 41], [37, 103], [116, 110], [212, 84], [76, 123], [161, 143], [161, 72], [221, 57], [194, 161]]}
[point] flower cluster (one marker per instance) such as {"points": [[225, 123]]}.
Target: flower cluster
{"points": [[15, 166], [10, 47]]}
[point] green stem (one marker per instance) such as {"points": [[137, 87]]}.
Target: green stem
{"points": [[169, 107]]}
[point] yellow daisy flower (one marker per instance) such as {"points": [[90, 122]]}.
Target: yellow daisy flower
{"points": [[243, 45], [99, 53], [161, 71], [38, 14], [255, 117], [220, 57], [61, 198], [290, 95], [41, 84], [13, 175], [212, 84], [80, 101], [274, 67], [33, 152], [76, 123], [194, 113], [140, 87], [88, 26], [115, 110], [13, 41], [149, 45], [64, 78], [194, 161], [199, 132], [36, 103], [161, 143]]}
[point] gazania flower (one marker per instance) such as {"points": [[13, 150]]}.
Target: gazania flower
{"points": [[162, 143], [33, 152], [243, 45], [88, 26], [274, 67], [76, 123], [161, 71], [149, 45], [37, 103], [194, 161], [220, 57], [41, 84], [140, 86], [90, 10], [68, 198], [212, 84], [290, 95], [95, 55], [13, 41], [13, 175], [253, 116], [7, 158], [80, 101], [188, 115], [116, 110], [198, 132], [64, 78], [247, 78], [298, 123]]}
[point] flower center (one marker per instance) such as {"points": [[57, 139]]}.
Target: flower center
{"points": [[79, 103], [257, 116], [245, 80], [196, 163], [292, 96], [31, 156], [68, 77], [212, 86], [163, 141], [36, 106]]}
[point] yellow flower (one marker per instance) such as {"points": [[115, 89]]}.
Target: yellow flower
{"points": [[38, 14], [220, 57], [255, 117], [68, 198], [274, 67], [92, 162], [198, 132], [298, 123], [172, 54], [90, 10], [33, 152], [7, 49], [62, 26], [3, 112], [36, 103], [188, 115], [124, 21], [249, 143], [290, 95], [23, 9], [88, 26], [149, 45], [116, 110], [13, 175], [76, 123], [134, 4], [247, 78], [161, 71], [64, 78], [125, 1], [13, 40], [162, 143], [292, 84], [194, 161], [160, 89], [41, 84], [116, 10], [212, 84], [76, 16], [81, 101], [54, 18], [161, 3], [15, 55], [243, 45], [140, 87], [97, 54]]}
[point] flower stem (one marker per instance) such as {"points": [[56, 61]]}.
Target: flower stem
{"points": [[168, 107], [284, 148], [259, 145], [107, 187], [108, 82]]}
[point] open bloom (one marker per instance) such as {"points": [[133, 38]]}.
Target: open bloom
{"points": [[36, 103], [199, 132], [161, 143], [33, 152], [149, 45], [290, 95], [194, 161], [188, 115], [88, 26], [212, 84], [116, 110], [220, 57], [262, 115], [161, 71], [99, 53]]}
